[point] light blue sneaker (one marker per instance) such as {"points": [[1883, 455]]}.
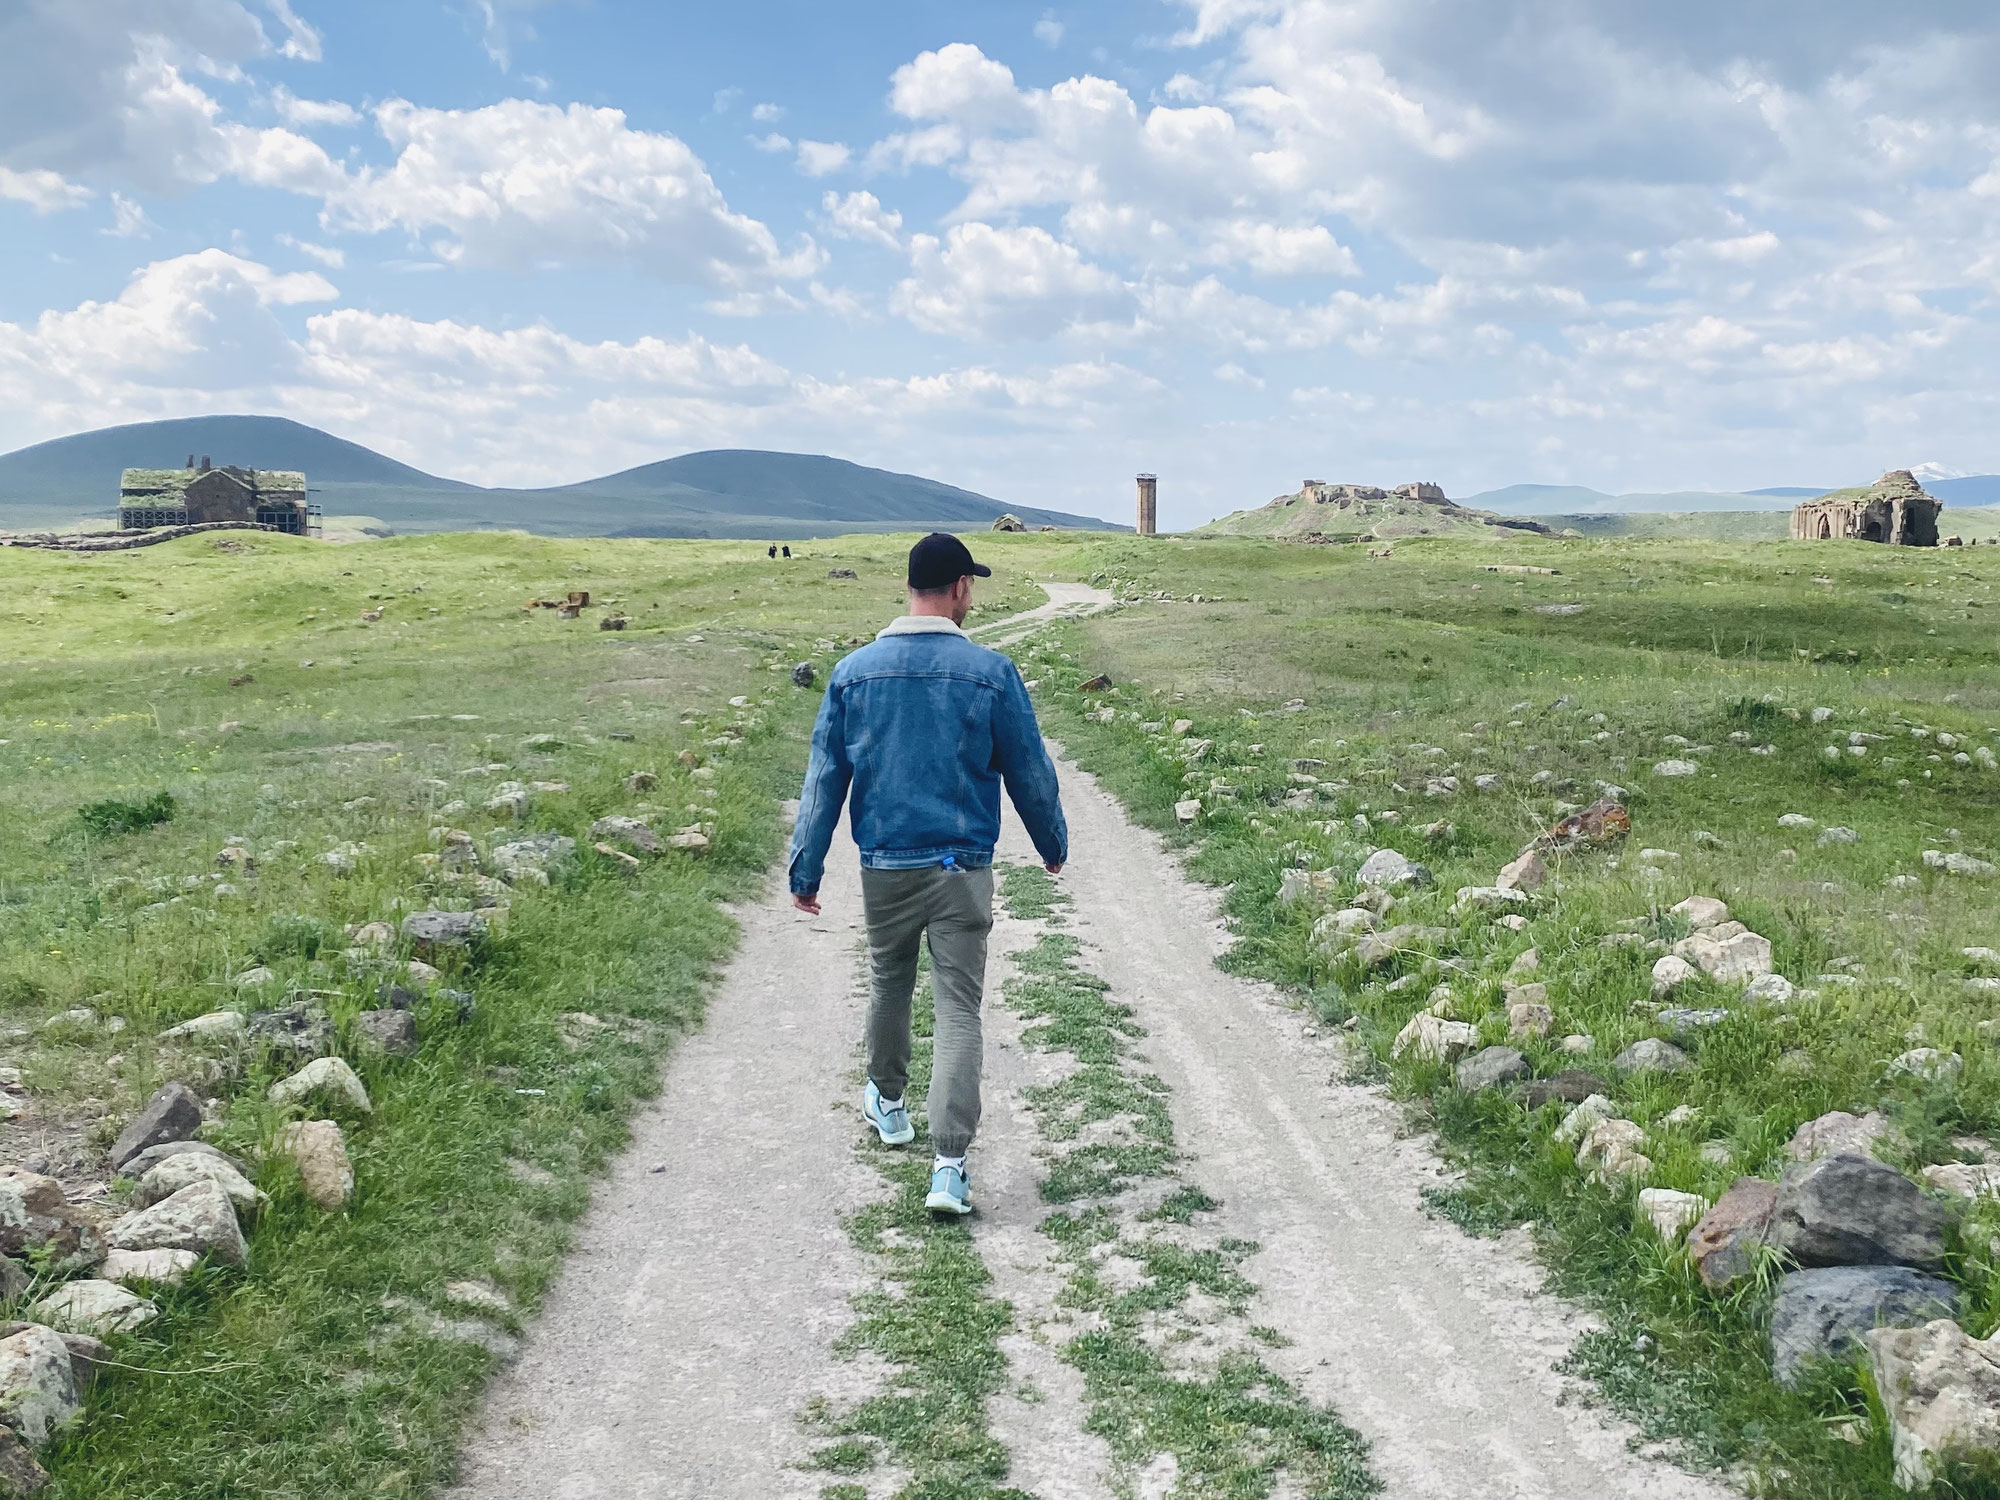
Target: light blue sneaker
{"points": [[890, 1119], [951, 1191]]}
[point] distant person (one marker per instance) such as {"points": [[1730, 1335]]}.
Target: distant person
{"points": [[918, 731], [772, 551], [788, 552]]}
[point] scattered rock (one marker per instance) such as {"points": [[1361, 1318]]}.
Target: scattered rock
{"points": [[1386, 868], [293, 1028], [1824, 1314], [1609, 1151], [14, 1279], [1955, 863], [1940, 1390], [190, 1167], [1837, 835], [1671, 1211], [1670, 973], [632, 832], [1434, 1039], [36, 1217], [93, 1307], [1652, 1055], [1735, 958], [1579, 1121], [529, 858], [1849, 1210], [199, 1218], [1572, 1086], [152, 1156], [1796, 820], [1578, 1044], [1838, 1133], [1302, 885], [1928, 1063], [1487, 898], [323, 1075], [1770, 989], [1724, 1246], [1964, 1179], [217, 1025], [432, 931], [841, 573], [1526, 1019], [163, 1267], [320, 1151], [1493, 1067], [1681, 1020], [1603, 822], [1346, 922], [804, 675], [37, 1384], [1702, 911], [688, 838], [388, 1033], [1377, 948], [1672, 768], [1188, 809]]}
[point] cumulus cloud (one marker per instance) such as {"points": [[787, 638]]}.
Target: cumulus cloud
{"points": [[521, 184], [818, 158], [861, 216], [1009, 284], [44, 191], [310, 114]]}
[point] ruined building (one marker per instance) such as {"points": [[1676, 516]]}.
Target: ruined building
{"points": [[1894, 509], [197, 495]]}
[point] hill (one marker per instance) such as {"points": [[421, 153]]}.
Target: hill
{"points": [[1353, 512], [720, 493], [1571, 499]]}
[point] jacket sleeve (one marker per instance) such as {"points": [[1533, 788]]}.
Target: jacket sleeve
{"points": [[828, 775], [1027, 770]]}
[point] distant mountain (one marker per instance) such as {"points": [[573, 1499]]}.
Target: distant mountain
{"points": [[721, 493], [1539, 499], [1974, 489], [1574, 500], [1794, 491]]}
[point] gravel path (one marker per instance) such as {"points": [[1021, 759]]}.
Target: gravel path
{"points": [[712, 1275]]}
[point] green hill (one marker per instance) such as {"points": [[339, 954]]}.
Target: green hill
{"points": [[1355, 512], [720, 493]]}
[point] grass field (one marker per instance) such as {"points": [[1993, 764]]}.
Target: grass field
{"points": [[242, 681], [1347, 685]]}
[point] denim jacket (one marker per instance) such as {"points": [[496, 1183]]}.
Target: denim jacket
{"points": [[924, 725]]}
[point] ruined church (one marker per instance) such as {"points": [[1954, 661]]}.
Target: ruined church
{"points": [[1894, 509]]}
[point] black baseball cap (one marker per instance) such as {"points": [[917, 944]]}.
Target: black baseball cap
{"points": [[940, 560]]}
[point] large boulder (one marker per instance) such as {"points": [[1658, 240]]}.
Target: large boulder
{"points": [[1848, 1210], [35, 1215], [1724, 1245], [1940, 1389], [38, 1390], [199, 1217], [1492, 1067], [1736, 959], [172, 1114], [1825, 1313]]}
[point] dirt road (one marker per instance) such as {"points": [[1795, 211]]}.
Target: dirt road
{"points": [[697, 1317]]}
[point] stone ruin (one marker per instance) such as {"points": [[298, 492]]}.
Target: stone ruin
{"points": [[1894, 510]]}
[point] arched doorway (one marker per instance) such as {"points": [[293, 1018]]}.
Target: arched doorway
{"points": [[1825, 529]]}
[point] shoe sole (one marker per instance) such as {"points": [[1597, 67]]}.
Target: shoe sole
{"points": [[944, 1203], [905, 1139]]}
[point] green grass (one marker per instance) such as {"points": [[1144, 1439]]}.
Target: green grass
{"points": [[1388, 659], [158, 703]]}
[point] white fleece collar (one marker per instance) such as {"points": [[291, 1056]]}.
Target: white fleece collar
{"points": [[919, 625]]}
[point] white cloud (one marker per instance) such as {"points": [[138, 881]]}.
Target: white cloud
{"points": [[772, 144], [330, 256], [309, 114], [861, 216], [959, 82], [128, 219], [520, 184], [1008, 284], [818, 158], [301, 41], [1049, 31], [44, 191], [768, 114]]}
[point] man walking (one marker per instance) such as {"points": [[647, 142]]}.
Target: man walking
{"points": [[919, 730]]}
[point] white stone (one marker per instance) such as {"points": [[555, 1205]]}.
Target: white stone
{"points": [[1821, 715], [37, 1384], [1769, 989], [166, 1267], [1736, 959], [1702, 911], [1578, 1044], [1587, 1114], [1838, 835], [251, 978], [329, 1074], [1940, 1389], [216, 1025], [320, 1151], [1385, 867], [1964, 1179], [1513, 921], [1487, 898], [1610, 1151], [199, 1217], [1671, 1212], [1434, 1039], [1796, 820], [98, 1307], [188, 1167], [1955, 863], [1670, 973], [1675, 768], [1188, 810], [1525, 874], [1928, 1063]]}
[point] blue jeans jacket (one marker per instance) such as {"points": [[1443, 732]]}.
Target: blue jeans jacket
{"points": [[918, 730]]}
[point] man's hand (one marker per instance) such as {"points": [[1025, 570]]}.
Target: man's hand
{"points": [[808, 903], [1053, 869]]}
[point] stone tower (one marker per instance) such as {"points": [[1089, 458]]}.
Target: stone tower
{"points": [[1149, 504]]}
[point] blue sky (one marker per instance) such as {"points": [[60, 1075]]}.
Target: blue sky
{"points": [[1022, 248]]}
